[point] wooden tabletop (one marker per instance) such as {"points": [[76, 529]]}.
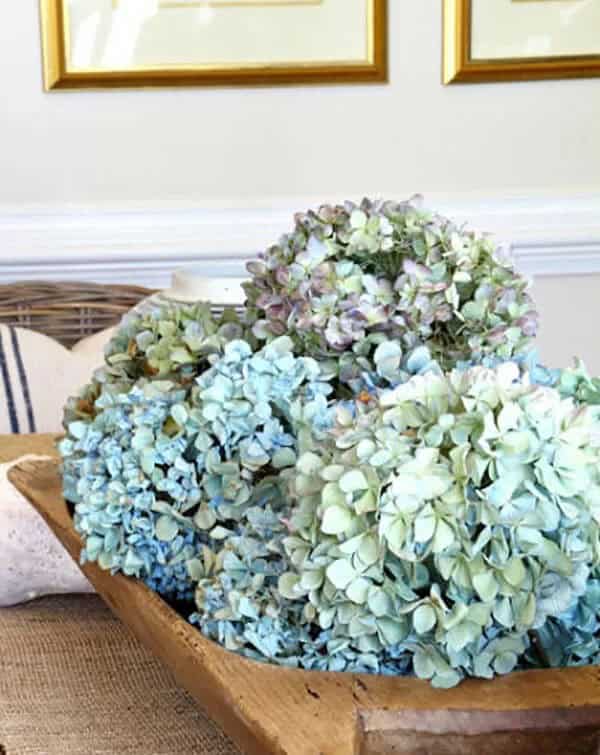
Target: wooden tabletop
{"points": [[14, 446]]}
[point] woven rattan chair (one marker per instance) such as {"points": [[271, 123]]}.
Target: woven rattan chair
{"points": [[66, 312]]}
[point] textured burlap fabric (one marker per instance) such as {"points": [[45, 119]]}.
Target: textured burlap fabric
{"points": [[74, 681]]}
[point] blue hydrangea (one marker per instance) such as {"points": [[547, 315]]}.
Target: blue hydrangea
{"points": [[160, 470], [120, 487]]}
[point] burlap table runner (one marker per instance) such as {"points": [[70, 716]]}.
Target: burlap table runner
{"points": [[74, 681]]}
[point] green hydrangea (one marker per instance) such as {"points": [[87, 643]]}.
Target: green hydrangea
{"points": [[168, 343], [451, 519], [348, 274], [172, 343], [578, 384]]}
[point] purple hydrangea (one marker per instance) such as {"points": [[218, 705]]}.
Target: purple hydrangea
{"points": [[349, 276]]}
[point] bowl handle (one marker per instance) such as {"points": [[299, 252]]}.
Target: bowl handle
{"points": [[530, 731]]}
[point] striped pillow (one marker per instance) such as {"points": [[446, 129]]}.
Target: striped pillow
{"points": [[38, 374]]}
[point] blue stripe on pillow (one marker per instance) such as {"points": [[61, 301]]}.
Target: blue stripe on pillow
{"points": [[10, 400], [23, 379]]}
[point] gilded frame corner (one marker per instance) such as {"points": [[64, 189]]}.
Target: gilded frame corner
{"points": [[57, 76], [458, 66]]}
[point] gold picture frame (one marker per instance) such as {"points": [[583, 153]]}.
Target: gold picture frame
{"points": [[57, 75], [459, 66]]}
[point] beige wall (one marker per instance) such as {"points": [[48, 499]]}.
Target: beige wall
{"points": [[569, 309], [411, 135], [247, 145]]}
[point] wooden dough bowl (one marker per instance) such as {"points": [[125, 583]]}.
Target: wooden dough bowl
{"points": [[266, 709]]}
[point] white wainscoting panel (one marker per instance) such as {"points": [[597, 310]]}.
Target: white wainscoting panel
{"points": [[142, 244]]}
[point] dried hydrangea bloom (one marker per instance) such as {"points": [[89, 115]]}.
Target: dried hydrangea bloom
{"points": [[126, 472], [254, 411], [173, 343], [572, 638], [577, 383], [170, 341], [451, 519], [348, 274], [161, 470]]}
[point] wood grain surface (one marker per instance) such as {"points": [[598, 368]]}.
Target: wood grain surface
{"points": [[266, 709], [12, 447]]}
